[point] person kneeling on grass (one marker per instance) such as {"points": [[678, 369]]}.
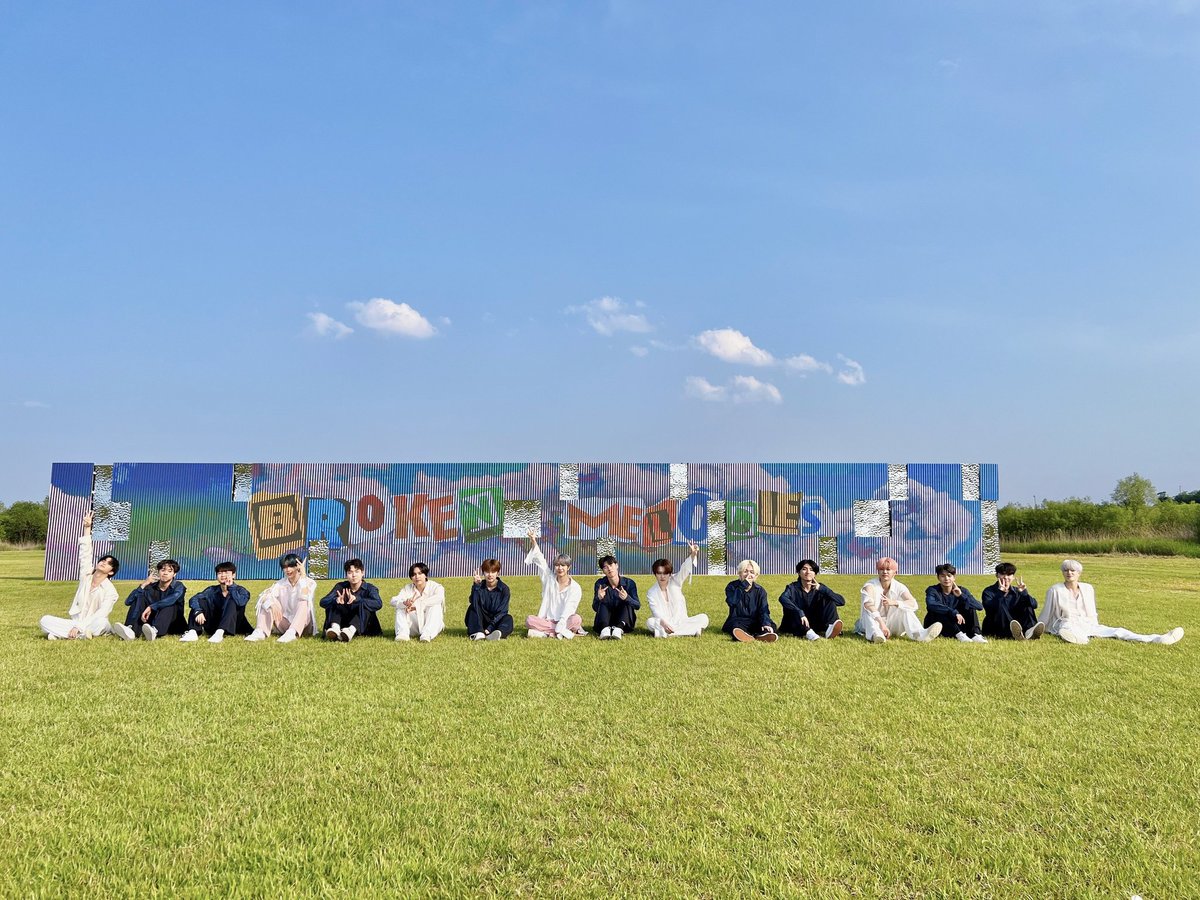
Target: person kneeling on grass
{"points": [[286, 607], [219, 609], [749, 613], [420, 606], [1070, 612], [351, 607], [156, 605], [951, 604], [888, 608], [560, 597], [487, 612], [1009, 609], [94, 597], [809, 607], [615, 600], [668, 607]]}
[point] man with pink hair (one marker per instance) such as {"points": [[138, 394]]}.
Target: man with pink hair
{"points": [[889, 609]]}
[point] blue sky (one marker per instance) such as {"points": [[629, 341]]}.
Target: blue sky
{"points": [[953, 232]]}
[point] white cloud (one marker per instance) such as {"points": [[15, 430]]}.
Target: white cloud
{"points": [[733, 347], [851, 372], [638, 351], [742, 389], [327, 326], [394, 318], [34, 404], [608, 315], [805, 363]]}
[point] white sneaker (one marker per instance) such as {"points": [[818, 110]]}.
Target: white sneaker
{"points": [[605, 633], [978, 639], [618, 633], [812, 635], [189, 636], [256, 635], [333, 632], [1035, 632], [217, 636], [425, 640], [534, 633], [962, 638], [124, 632], [878, 639], [834, 630], [287, 637], [52, 637], [1173, 636], [930, 633], [348, 634], [478, 636], [1071, 637], [494, 636], [149, 632]]}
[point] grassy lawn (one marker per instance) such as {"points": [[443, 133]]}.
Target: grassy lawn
{"points": [[688, 767]]}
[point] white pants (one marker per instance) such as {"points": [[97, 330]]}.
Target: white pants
{"points": [[689, 627], [55, 626], [1121, 634], [900, 622], [425, 624]]}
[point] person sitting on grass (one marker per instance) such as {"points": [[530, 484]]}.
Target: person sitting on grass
{"points": [[487, 612], [1009, 609], [219, 609], [1070, 612], [420, 606], [951, 604], [809, 607], [286, 607], [615, 600], [352, 607], [749, 612], [560, 597], [888, 609], [94, 599], [155, 605], [668, 607]]}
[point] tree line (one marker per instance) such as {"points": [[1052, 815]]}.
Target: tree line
{"points": [[24, 522]]}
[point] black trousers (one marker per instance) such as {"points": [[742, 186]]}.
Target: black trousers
{"points": [[476, 623], [168, 620], [751, 624], [950, 626], [1021, 612], [221, 614], [821, 614], [616, 614]]}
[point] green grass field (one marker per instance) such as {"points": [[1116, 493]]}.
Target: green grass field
{"points": [[688, 767]]}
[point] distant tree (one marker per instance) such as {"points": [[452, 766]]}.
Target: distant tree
{"points": [[25, 523], [1188, 497], [1134, 492]]}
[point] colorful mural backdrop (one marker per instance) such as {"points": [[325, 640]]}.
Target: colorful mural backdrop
{"points": [[454, 515]]}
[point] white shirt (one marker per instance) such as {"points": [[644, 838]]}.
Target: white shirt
{"points": [[872, 596], [433, 595], [558, 603], [92, 605], [289, 597], [671, 609], [1062, 608]]}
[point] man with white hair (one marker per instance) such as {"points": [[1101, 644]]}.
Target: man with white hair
{"points": [[557, 616], [888, 609], [749, 617], [1070, 612]]}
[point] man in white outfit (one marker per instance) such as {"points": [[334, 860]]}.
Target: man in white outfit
{"points": [[889, 609], [668, 607], [560, 597], [1070, 612], [286, 607], [94, 597], [420, 606]]}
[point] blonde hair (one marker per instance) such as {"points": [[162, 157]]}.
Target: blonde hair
{"points": [[749, 564]]}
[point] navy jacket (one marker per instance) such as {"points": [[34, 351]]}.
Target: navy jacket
{"points": [[156, 598], [611, 596], [947, 604], [799, 602], [746, 606], [213, 594], [367, 597], [492, 605], [1000, 604]]}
